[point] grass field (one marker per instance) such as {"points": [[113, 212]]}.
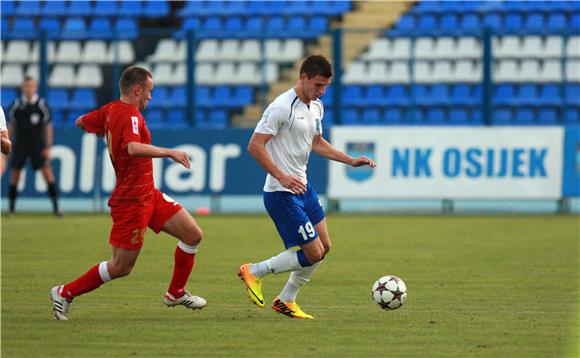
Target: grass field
{"points": [[478, 286]]}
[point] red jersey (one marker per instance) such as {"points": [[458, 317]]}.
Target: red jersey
{"points": [[122, 124]]}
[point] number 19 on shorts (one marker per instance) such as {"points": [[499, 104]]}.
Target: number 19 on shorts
{"points": [[307, 231]]}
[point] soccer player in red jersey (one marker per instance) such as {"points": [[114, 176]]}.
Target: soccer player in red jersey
{"points": [[135, 203]]}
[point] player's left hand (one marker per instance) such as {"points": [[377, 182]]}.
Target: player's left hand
{"points": [[181, 157], [46, 153], [360, 161]]}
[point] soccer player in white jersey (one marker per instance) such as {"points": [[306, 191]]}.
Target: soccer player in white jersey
{"points": [[5, 139], [289, 130]]}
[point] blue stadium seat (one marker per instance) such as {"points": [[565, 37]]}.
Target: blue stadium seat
{"points": [[440, 94], [393, 116], [83, 98], [550, 95], [202, 96], [353, 96], [328, 120], [154, 119], [221, 96], [535, 21], [422, 95], [131, 8], [350, 115], [28, 8], [524, 116], [212, 23], [234, 25], [458, 116], [297, 8], [192, 23], [547, 116], [255, 24], [575, 21], [572, 116], [318, 25], [275, 24], [461, 95], [328, 97], [413, 116], [235, 8], [502, 117], [7, 8], [503, 94], [371, 116], [470, 22], [79, 8], [100, 28], [274, 7], [160, 98], [428, 7], [527, 95], [156, 8], [513, 22], [449, 23], [71, 117], [296, 25], [190, 8], [243, 96], [397, 95], [178, 96], [176, 119], [406, 23], [8, 96], [215, 119], [256, 8], [23, 28], [375, 95], [74, 29], [58, 99], [126, 28], [106, 8], [493, 21], [54, 8], [435, 116], [476, 117], [51, 26], [572, 95], [427, 23], [556, 21], [58, 118]]}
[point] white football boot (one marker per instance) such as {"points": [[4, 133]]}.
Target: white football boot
{"points": [[60, 305], [187, 300]]}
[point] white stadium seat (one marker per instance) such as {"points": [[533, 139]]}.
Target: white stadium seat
{"points": [[468, 47], [379, 49], [507, 46], [225, 73], [530, 71], [204, 73], [423, 72], [573, 47], [466, 71], [356, 72], [17, 51], [162, 73], [179, 74], [551, 71], [68, 52], [89, 75], [126, 52], [50, 48], [249, 50], [400, 49], [229, 50], [553, 47], [207, 51], [424, 47], [398, 72], [573, 71], [445, 47], [293, 50], [11, 75], [379, 71], [165, 51], [62, 76], [532, 46], [442, 71], [506, 71], [94, 52], [272, 73], [33, 71], [249, 73]]}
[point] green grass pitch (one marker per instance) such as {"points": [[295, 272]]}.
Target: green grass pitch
{"points": [[496, 286]]}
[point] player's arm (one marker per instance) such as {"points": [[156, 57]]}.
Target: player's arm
{"points": [[79, 123], [257, 148], [136, 149], [48, 135], [6, 143], [327, 150]]}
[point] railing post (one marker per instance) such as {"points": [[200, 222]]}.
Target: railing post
{"points": [[116, 68], [43, 68], [487, 89], [190, 86], [337, 83]]}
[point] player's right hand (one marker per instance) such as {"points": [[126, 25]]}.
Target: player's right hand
{"points": [[293, 183], [181, 157]]}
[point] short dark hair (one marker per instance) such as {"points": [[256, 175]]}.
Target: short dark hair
{"points": [[315, 65], [133, 76], [27, 78]]}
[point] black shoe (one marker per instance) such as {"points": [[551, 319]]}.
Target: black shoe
{"points": [[58, 213]]}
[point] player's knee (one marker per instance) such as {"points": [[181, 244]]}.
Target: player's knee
{"points": [[327, 247], [193, 237], [120, 270], [315, 256]]}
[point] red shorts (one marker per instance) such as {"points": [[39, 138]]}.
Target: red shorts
{"points": [[130, 221]]}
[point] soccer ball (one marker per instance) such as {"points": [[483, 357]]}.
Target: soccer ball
{"points": [[389, 292]]}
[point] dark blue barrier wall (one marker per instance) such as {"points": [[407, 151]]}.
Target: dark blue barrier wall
{"points": [[220, 165], [571, 178]]}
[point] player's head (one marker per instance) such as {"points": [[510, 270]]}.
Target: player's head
{"points": [[315, 74], [136, 84], [28, 87]]}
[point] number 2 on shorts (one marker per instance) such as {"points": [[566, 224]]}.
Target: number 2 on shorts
{"points": [[307, 231]]}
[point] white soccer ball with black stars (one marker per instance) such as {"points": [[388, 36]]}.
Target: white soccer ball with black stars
{"points": [[389, 292]]}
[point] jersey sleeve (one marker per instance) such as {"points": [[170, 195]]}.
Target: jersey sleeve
{"points": [[2, 121], [129, 128], [273, 118], [95, 121], [46, 114]]}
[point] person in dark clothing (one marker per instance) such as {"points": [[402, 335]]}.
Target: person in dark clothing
{"points": [[31, 129]]}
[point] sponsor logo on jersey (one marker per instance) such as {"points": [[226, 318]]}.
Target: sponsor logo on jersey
{"points": [[135, 124]]}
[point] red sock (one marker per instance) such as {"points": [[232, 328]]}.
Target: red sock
{"points": [[183, 265], [86, 283]]}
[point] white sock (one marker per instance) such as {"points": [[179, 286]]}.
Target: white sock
{"points": [[283, 262], [296, 281], [104, 272]]}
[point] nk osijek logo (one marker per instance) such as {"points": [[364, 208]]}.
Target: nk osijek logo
{"points": [[358, 149]]}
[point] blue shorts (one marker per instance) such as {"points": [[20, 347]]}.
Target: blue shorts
{"points": [[295, 215]]}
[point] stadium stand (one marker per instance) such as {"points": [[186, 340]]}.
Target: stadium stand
{"points": [[427, 69]]}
